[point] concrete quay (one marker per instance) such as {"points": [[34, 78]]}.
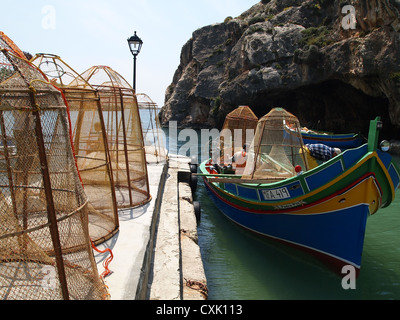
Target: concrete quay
{"points": [[155, 251]]}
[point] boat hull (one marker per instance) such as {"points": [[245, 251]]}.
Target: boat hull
{"points": [[323, 210], [332, 229], [342, 141]]}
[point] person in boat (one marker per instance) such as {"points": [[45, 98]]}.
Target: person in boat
{"points": [[240, 158], [321, 152]]}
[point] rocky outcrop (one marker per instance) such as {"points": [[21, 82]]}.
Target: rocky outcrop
{"points": [[301, 55]]}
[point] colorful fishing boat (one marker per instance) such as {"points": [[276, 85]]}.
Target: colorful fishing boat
{"points": [[321, 210], [342, 141]]}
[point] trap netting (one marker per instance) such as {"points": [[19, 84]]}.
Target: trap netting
{"points": [[89, 142], [277, 147], [124, 135], [153, 135], [237, 130], [45, 250]]}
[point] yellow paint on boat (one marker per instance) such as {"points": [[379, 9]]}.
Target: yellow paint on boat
{"points": [[365, 192]]}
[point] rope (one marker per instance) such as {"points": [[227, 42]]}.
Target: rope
{"points": [[12, 45], [199, 286], [106, 262]]}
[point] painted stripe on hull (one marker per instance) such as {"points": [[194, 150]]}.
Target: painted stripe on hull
{"points": [[365, 190]]}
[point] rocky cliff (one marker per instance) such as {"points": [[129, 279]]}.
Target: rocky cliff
{"points": [[334, 72]]}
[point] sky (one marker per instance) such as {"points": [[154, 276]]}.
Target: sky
{"points": [[86, 33]]}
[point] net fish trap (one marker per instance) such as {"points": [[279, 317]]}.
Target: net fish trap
{"points": [[237, 130], [124, 135], [153, 135], [89, 142], [45, 249], [277, 147]]}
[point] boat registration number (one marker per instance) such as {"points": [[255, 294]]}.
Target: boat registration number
{"points": [[276, 194]]}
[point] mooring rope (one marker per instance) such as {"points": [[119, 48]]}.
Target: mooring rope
{"points": [[197, 285]]}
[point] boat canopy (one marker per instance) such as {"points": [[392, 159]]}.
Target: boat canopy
{"points": [[277, 148]]}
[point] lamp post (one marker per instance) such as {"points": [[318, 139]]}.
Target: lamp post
{"points": [[135, 44]]}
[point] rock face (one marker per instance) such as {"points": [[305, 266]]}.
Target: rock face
{"points": [[301, 55]]}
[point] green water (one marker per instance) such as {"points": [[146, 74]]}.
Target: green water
{"points": [[240, 265]]}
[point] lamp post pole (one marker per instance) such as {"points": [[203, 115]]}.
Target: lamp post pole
{"points": [[135, 45], [134, 72]]}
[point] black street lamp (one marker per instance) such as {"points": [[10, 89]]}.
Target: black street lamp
{"points": [[135, 44]]}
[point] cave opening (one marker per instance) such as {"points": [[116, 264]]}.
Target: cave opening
{"points": [[332, 106]]}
